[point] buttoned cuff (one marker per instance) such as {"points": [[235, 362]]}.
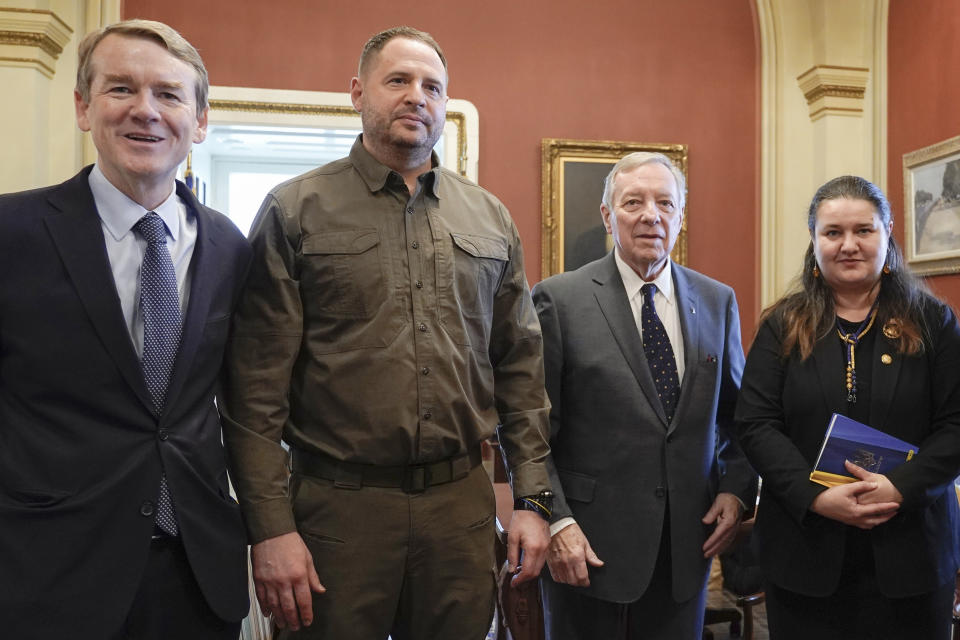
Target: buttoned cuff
{"points": [[269, 519], [529, 478]]}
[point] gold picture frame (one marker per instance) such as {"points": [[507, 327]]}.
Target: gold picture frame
{"points": [[571, 189], [931, 193]]}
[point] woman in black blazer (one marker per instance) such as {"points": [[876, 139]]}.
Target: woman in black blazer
{"points": [[860, 336]]}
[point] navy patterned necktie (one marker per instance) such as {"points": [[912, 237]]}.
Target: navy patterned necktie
{"points": [[659, 352], [160, 309]]}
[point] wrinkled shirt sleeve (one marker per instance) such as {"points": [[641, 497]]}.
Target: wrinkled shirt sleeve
{"points": [[263, 347]]}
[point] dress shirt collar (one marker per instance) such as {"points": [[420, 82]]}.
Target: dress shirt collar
{"points": [[376, 174], [119, 213], [632, 282]]}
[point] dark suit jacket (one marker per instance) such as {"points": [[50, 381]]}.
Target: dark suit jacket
{"points": [[612, 447], [783, 412], [80, 448]]}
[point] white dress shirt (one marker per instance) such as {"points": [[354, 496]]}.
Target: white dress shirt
{"points": [[125, 247], [665, 300]]}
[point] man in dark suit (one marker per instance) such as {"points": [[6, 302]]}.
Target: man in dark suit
{"points": [[115, 515], [643, 361]]}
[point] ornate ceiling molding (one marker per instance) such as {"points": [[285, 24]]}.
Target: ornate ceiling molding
{"points": [[32, 38]]}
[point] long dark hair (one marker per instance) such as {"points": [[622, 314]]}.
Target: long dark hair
{"points": [[807, 313]]}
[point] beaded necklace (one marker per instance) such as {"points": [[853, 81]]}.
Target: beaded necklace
{"points": [[850, 341]]}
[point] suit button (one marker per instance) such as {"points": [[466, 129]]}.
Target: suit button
{"points": [[163, 434], [660, 492], [670, 438], [146, 509]]}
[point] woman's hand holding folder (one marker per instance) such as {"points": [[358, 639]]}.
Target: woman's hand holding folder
{"points": [[869, 502]]}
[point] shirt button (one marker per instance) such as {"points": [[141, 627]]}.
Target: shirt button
{"points": [[419, 284], [415, 244], [425, 371], [422, 327], [163, 434], [427, 415], [146, 509]]}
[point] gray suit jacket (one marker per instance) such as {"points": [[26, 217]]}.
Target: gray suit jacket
{"points": [[615, 459]]}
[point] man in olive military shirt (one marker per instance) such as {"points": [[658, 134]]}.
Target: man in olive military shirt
{"points": [[386, 330]]}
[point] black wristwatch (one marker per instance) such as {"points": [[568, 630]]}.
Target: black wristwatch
{"points": [[540, 503]]}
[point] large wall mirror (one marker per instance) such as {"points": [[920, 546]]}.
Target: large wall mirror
{"points": [[257, 138]]}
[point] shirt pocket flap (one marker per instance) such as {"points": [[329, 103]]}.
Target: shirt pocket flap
{"points": [[341, 242], [577, 486], [482, 247]]}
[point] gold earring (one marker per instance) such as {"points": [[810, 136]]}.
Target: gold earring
{"points": [[816, 271], [886, 269]]}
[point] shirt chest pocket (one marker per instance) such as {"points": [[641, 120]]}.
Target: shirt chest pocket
{"points": [[341, 274], [478, 265], [478, 262]]}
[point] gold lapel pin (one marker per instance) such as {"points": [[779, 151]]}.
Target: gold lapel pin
{"points": [[892, 330], [886, 358]]}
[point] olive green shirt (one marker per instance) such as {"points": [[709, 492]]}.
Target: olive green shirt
{"points": [[381, 328]]}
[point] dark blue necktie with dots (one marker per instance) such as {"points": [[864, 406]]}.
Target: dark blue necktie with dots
{"points": [[160, 309], [659, 352]]}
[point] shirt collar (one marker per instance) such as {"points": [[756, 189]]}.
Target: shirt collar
{"points": [[119, 213], [632, 282], [376, 174]]}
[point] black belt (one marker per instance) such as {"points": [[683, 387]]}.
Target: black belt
{"points": [[412, 478]]}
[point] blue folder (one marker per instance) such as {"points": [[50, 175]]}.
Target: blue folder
{"points": [[847, 439]]}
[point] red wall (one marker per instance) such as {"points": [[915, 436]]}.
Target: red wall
{"points": [[923, 96], [646, 71]]}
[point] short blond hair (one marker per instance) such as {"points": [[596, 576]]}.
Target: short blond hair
{"points": [[164, 35]]}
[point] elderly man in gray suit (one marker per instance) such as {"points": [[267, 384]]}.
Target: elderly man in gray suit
{"points": [[643, 361]]}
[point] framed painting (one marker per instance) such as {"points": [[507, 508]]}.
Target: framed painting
{"points": [[572, 188], [931, 190]]}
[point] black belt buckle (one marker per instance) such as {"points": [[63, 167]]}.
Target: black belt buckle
{"points": [[416, 478]]}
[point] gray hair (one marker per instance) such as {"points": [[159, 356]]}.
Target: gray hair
{"points": [[164, 35], [636, 159]]}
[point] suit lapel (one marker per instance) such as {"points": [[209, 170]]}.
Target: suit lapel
{"points": [[611, 296], [827, 357], [204, 268], [78, 235], [688, 299], [884, 380]]}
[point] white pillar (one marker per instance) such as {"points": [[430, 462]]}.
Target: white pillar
{"points": [[31, 42]]}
